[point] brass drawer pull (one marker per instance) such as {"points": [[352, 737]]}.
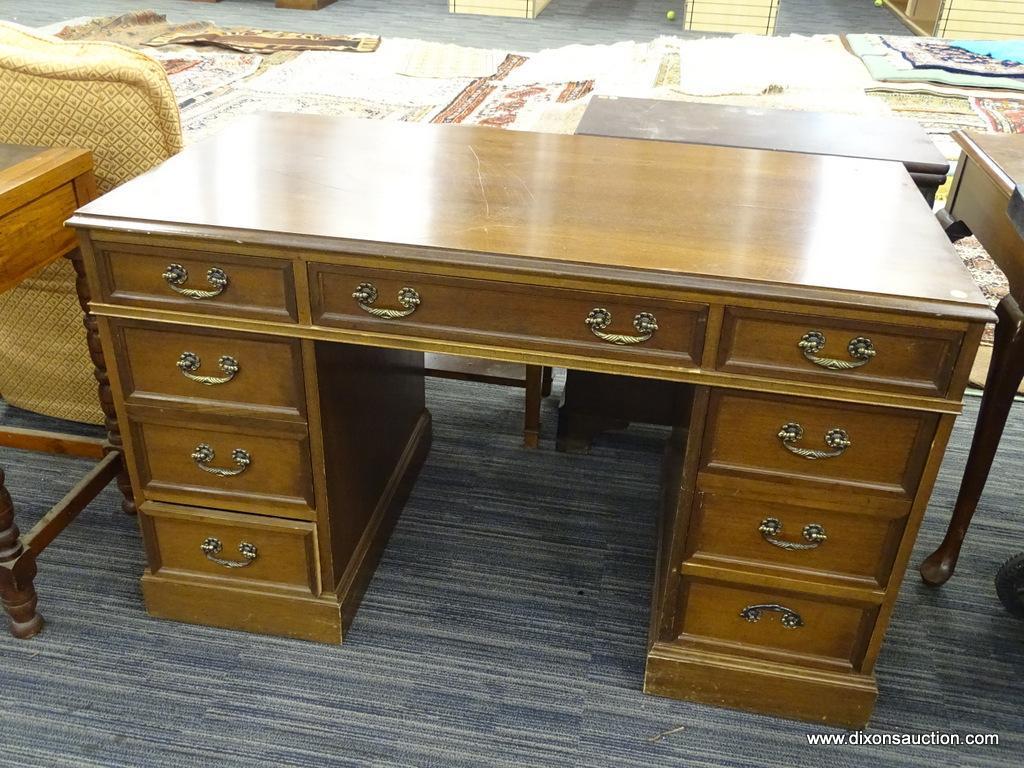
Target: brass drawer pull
{"points": [[771, 527], [790, 619], [366, 294], [189, 363], [835, 438], [203, 455], [861, 350], [176, 276], [212, 547], [600, 318]]}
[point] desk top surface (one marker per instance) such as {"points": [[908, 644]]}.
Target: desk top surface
{"points": [[13, 154], [816, 133], [573, 203]]}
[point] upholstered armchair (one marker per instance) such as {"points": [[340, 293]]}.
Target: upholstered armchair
{"points": [[117, 103]]}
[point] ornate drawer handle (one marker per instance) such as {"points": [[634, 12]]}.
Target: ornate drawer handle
{"points": [[861, 350], [600, 318], [212, 547], [771, 527], [366, 294], [189, 363], [790, 619], [835, 438], [176, 276], [203, 455]]}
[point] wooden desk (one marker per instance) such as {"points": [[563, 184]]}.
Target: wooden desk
{"points": [[39, 189], [990, 167], [304, 264]]}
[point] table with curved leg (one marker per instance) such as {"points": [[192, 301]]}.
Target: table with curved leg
{"points": [[990, 167]]}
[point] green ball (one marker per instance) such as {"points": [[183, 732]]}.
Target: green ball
{"points": [[671, 15], [879, 3]]}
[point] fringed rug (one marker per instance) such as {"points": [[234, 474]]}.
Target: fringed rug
{"points": [[139, 28], [266, 41]]}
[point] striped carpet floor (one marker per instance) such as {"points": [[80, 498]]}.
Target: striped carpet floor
{"points": [[504, 627]]}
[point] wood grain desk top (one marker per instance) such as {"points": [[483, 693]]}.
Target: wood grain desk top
{"points": [[783, 130], [36, 196], [689, 215]]}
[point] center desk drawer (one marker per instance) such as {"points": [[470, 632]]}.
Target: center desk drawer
{"points": [[196, 281], [262, 551], [821, 445], [265, 470], [507, 314], [162, 363], [838, 351]]}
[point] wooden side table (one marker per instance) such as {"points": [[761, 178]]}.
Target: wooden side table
{"points": [[991, 166], [39, 190]]}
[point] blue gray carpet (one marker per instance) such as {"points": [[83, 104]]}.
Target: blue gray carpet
{"points": [[505, 627]]}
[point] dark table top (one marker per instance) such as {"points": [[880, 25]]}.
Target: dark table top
{"points": [[815, 133]]}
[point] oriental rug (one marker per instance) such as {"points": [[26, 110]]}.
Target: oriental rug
{"points": [[884, 58]]}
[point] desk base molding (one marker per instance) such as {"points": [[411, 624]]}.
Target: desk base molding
{"points": [[215, 604], [752, 685]]}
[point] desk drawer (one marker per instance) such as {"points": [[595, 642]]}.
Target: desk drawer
{"points": [[261, 551], [837, 351], [750, 619], [820, 445], [196, 365], [197, 282], [263, 470], [795, 537], [506, 314]]}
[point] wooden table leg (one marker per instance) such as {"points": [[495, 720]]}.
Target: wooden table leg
{"points": [[92, 337], [1001, 383], [534, 394], [17, 571]]}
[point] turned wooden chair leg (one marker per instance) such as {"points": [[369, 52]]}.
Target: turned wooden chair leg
{"points": [[1001, 383], [534, 394], [17, 571], [92, 338]]}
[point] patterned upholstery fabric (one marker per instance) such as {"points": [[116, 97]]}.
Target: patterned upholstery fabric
{"points": [[117, 103]]}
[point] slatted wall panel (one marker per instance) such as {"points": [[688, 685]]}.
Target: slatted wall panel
{"points": [[981, 19], [754, 17]]}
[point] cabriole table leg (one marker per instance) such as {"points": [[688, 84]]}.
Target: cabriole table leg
{"points": [[1004, 376]]}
